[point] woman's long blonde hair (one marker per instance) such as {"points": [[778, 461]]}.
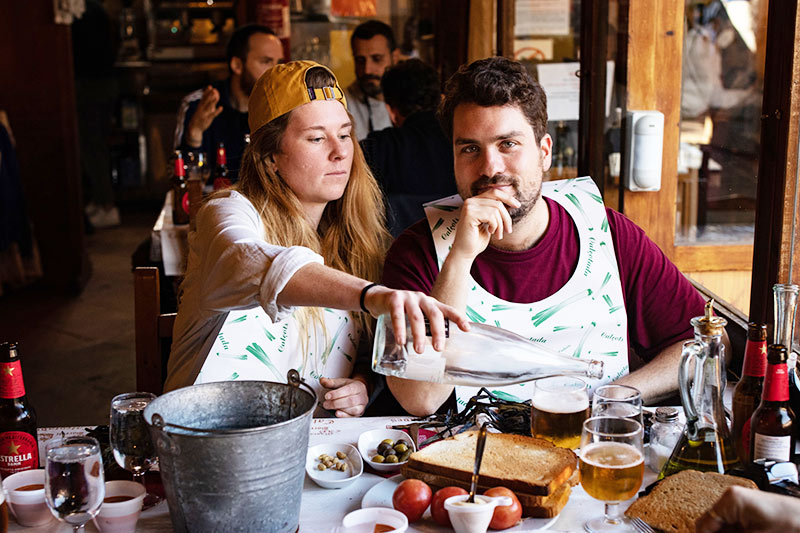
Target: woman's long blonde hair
{"points": [[351, 236]]}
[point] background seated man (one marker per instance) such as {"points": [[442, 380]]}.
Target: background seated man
{"points": [[413, 162], [546, 260], [218, 113]]}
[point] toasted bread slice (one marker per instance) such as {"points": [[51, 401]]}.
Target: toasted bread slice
{"points": [[523, 464], [677, 501]]}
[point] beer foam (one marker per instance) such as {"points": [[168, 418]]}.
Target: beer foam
{"points": [[611, 455], [568, 402]]}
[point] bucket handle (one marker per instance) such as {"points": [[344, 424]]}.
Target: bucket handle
{"points": [[292, 377]]}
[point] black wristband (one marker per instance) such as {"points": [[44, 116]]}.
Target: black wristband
{"points": [[364, 295]]}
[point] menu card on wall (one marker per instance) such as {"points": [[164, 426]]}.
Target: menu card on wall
{"points": [[542, 17]]}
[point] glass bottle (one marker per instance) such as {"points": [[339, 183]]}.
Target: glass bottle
{"points": [[19, 450], [785, 306], [706, 442], [180, 192], [483, 356], [772, 423], [747, 394], [221, 178], [664, 434]]}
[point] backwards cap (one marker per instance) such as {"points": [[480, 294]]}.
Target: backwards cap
{"points": [[283, 88]]}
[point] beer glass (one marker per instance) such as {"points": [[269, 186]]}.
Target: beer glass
{"points": [[612, 466], [559, 406], [74, 486], [619, 401], [130, 438]]}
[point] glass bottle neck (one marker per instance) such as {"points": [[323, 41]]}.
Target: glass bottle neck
{"points": [[776, 384]]}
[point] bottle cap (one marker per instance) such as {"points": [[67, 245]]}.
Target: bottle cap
{"points": [[666, 414], [709, 324]]}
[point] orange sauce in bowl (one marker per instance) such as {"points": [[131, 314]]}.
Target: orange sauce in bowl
{"points": [[382, 528]]}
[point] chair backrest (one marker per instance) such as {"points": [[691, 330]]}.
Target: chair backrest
{"points": [[153, 331]]}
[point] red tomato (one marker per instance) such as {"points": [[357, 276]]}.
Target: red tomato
{"points": [[412, 497], [506, 516], [438, 511]]}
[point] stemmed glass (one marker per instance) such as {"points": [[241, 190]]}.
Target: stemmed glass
{"points": [[74, 485], [559, 406], [618, 400], [130, 438], [612, 467]]}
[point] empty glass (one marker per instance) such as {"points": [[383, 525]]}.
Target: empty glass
{"points": [[618, 400], [74, 485]]}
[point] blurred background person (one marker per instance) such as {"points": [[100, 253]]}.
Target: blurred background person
{"points": [[374, 48], [413, 161], [218, 113]]}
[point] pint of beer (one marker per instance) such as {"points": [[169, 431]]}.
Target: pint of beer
{"points": [[611, 471], [559, 407]]}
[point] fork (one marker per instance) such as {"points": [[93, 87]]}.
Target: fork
{"points": [[641, 526]]}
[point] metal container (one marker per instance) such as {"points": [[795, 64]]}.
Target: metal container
{"points": [[232, 454]]}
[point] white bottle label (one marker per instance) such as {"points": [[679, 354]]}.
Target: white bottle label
{"points": [[775, 448]]}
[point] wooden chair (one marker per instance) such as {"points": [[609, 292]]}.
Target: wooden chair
{"points": [[153, 331]]}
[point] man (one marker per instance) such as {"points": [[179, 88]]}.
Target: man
{"points": [[413, 162], [218, 113], [545, 260], [373, 49]]}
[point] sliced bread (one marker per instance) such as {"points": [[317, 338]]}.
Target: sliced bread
{"points": [[523, 464], [677, 501]]}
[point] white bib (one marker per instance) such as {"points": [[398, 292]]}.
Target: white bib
{"points": [[585, 318], [250, 346]]}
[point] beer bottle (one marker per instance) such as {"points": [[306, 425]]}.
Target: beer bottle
{"points": [[221, 179], [18, 447], [747, 394], [180, 192], [771, 425]]}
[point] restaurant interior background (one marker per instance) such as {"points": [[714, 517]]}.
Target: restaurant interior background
{"points": [[720, 72]]}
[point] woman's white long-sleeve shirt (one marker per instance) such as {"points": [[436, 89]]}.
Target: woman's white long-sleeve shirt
{"points": [[230, 267]]}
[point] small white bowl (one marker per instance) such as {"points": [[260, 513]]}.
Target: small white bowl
{"points": [[330, 478], [365, 520], [120, 516], [27, 506], [368, 446], [473, 518]]}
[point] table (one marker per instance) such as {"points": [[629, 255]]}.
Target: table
{"points": [[321, 510], [169, 243]]}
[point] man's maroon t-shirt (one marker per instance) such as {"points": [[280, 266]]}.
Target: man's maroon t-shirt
{"points": [[659, 300]]}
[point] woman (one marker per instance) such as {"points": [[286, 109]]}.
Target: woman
{"points": [[305, 199]]}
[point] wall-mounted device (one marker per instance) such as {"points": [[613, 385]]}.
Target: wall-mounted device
{"points": [[645, 138]]}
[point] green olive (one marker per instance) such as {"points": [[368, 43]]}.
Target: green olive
{"points": [[402, 441], [378, 459], [404, 456], [400, 448], [388, 441], [391, 459]]}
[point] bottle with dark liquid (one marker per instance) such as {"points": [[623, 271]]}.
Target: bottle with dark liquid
{"points": [[706, 442], [785, 305], [19, 450], [180, 192], [220, 177], [772, 423], [747, 394]]}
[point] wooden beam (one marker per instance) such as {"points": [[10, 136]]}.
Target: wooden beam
{"points": [[481, 30], [713, 258], [655, 32], [505, 27]]}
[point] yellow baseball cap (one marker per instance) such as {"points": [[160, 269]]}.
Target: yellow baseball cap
{"points": [[283, 88]]}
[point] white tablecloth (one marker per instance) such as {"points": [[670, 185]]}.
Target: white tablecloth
{"points": [[169, 243]]}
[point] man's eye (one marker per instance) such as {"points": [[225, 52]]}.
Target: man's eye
{"points": [[471, 149], [508, 144], [377, 58]]}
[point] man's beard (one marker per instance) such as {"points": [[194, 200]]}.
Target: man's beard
{"points": [[527, 201], [247, 82], [370, 89]]}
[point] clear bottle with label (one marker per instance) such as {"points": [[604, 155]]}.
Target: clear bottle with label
{"points": [[483, 356], [664, 435], [772, 423], [19, 449]]}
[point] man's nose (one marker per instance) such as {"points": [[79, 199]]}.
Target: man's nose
{"points": [[491, 163], [373, 68]]}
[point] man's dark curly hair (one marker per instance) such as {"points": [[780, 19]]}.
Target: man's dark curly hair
{"points": [[495, 81], [411, 86]]}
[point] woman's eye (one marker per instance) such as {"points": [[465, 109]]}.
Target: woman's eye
{"points": [[316, 139], [344, 136]]}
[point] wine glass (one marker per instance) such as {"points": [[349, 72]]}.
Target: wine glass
{"points": [[74, 486], [612, 467], [559, 406], [619, 401], [130, 438]]}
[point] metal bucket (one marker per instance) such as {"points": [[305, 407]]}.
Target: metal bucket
{"points": [[232, 454]]}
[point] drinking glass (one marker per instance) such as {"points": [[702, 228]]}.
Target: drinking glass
{"points": [[612, 467], [130, 438], [618, 400], [74, 486], [559, 406]]}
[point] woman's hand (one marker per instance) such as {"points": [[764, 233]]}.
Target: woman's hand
{"points": [[416, 306], [751, 510], [347, 397]]}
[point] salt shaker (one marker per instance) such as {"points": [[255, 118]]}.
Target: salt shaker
{"points": [[664, 434]]}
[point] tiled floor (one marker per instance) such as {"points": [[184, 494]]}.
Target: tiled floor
{"points": [[77, 353]]}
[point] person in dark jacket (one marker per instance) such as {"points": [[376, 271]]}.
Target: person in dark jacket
{"points": [[413, 161]]}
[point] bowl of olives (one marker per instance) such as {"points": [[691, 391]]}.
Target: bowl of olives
{"points": [[385, 450]]}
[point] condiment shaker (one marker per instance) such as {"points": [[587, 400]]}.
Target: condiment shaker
{"points": [[664, 434]]}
